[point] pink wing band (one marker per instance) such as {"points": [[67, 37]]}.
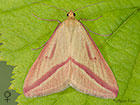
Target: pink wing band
{"points": [[45, 76], [95, 77], [86, 69]]}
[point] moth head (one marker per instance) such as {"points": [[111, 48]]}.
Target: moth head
{"points": [[71, 14]]}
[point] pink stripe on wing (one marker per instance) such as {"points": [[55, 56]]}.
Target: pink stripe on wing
{"points": [[53, 50], [88, 51], [95, 77], [94, 45], [45, 76]]}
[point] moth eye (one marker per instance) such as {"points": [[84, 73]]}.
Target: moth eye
{"points": [[67, 14], [74, 14]]}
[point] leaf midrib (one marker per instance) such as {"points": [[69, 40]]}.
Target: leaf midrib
{"points": [[120, 26]]}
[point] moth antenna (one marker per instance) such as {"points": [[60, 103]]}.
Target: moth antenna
{"points": [[88, 6], [50, 6]]}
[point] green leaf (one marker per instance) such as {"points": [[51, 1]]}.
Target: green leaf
{"points": [[21, 32]]}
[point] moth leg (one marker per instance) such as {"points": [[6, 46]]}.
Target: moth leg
{"points": [[90, 19], [46, 19], [39, 47], [97, 33], [92, 31]]}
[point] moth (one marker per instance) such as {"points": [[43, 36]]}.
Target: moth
{"points": [[70, 58]]}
